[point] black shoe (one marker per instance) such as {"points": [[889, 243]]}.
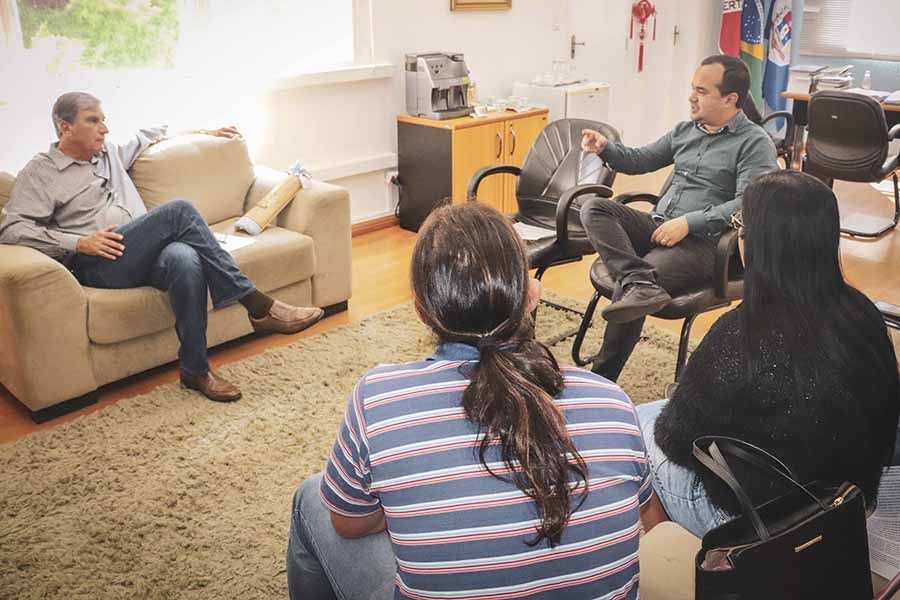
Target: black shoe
{"points": [[638, 300]]}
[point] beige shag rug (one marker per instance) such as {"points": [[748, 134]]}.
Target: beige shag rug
{"points": [[168, 495]]}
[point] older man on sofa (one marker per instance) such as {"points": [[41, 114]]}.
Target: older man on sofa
{"points": [[77, 203]]}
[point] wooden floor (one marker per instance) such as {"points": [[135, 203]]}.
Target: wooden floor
{"points": [[380, 281]]}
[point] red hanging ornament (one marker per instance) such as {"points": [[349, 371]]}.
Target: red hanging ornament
{"points": [[642, 11]]}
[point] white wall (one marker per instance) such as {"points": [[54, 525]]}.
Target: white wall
{"points": [[340, 123], [645, 105]]}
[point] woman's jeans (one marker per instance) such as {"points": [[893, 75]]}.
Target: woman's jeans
{"points": [[680, 490], [321, 565]]}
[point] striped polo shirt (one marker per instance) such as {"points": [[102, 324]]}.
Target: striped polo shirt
{"points": [[405, 446]]}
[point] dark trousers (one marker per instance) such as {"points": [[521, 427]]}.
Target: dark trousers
{"points": [[172, 249], [621, 236]]}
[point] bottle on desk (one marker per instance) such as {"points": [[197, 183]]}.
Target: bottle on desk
{"points": [[867, 80]]}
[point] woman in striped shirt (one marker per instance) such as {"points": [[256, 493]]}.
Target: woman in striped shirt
{"points": [[486, 470]]}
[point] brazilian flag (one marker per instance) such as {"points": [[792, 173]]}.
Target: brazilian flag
{"points": [[752, 51]]}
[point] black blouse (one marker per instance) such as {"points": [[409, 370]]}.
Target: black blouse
{"points": [[820, 429]]}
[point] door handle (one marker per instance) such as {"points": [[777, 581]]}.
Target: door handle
{"points": [[573, 45], [512, 133], [499, 145]]}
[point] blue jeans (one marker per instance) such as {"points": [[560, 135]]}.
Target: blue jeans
{"points": [[321, 565], [680, 490], [172, 249]]}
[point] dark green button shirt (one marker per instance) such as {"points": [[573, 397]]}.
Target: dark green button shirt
{"points": [[711, 169]]}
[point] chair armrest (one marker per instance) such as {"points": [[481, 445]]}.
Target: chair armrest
{"points": [[43, 329], [629, 197], [728, 243], [321, 211], [485, 172], [789, 124], [565, 202], [890, 313], [780, 114], [894, 133]]}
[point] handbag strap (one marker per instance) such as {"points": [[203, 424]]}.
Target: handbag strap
{"points": [[753, 454], [723, 472], [761, 459]]}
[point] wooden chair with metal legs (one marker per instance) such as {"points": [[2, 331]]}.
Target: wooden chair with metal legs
{"points": [[726, 286]]}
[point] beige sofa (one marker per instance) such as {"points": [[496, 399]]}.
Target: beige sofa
{"points": [[59, 341]]}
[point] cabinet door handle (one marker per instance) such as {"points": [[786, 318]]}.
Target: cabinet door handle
{"points": [[512, 149], [499, 145]]}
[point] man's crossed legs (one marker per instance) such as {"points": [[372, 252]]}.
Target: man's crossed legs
{"points": [[172, 248], [645, 274]]}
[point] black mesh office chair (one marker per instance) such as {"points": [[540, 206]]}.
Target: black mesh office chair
{"points": [[848, 140], [726, 287], [555, 176]]}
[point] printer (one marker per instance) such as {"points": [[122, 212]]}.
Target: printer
{"points": [[437, 85]]}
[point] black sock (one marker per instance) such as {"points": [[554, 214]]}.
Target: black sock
{"points": [[257, 304]]}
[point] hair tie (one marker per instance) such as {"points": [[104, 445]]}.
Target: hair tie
{"points": [[489, 343]]}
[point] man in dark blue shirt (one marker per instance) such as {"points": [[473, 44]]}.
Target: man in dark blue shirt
{"points": [[652, 255]]}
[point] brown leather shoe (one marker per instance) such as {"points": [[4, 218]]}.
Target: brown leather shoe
{"points": [[212, 386], [284, 318]]}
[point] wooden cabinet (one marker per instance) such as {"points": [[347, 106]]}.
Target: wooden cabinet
{"points": [[474, 148], [436, 159]]}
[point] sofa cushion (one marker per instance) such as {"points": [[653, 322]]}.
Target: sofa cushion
{"points": [[277, 258], [6, 185], [213, 173]]}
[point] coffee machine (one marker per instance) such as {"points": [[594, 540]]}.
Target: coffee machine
{"points": [[437, 85]]}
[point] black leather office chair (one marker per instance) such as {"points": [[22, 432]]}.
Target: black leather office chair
{"points": [[784, 146], [848, 140], [726, 287], [555, 176]]}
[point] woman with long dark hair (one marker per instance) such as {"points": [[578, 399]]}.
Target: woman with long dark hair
{"points": [[803, 367], [493, 471]]}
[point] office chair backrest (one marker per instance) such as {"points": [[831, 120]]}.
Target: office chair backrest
{"points": [[847, 136], [555, 162]]}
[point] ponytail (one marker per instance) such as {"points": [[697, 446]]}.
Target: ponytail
{"points": [[511, 397]]}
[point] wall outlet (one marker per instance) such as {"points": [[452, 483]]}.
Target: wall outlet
{"points": [[391, 189]]}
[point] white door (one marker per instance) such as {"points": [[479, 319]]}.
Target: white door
{"points": [[643, 105]]}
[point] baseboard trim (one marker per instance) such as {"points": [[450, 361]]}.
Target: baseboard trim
{"points": [[57, 410], [375, 224]]}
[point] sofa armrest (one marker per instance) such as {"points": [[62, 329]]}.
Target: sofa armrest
{"points": [[43, 330], [667, 563], [321, 211]]}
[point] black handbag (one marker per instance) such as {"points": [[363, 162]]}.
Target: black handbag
{"points": [[810, 543]]}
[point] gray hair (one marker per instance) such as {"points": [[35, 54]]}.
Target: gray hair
{"points": [[67, 107]]}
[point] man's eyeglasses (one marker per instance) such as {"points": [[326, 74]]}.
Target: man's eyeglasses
{"points": [[737, 222]]}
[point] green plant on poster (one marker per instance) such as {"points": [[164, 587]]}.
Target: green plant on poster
{"points": [[114, 33]]}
